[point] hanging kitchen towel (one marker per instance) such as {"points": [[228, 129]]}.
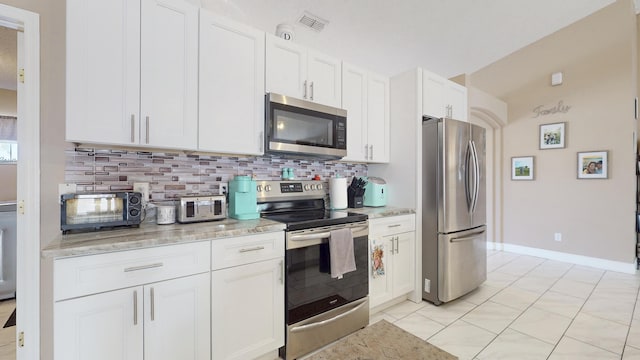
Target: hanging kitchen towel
{"points": [[341, 251]]}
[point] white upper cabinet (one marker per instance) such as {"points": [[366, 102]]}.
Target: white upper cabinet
{"points": [[231, 110], [293, 70], [132, 73], [169, 74], [443, 98], [365, 96]]}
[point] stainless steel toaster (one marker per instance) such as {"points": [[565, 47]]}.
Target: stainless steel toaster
{"points": [[202, 208]]}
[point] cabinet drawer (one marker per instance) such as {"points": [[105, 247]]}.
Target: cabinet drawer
{"points": [[246, 249], [84, 275], [392, 225]]}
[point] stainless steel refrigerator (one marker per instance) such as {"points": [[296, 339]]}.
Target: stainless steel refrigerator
{"points": [[454, 252]]}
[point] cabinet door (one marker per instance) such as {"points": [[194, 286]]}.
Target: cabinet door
{"points": [[381, 283], [169, 74], [107, 326], [247, 310], [403, 263], [378, 118], [286, 68], [103, 71], [354, 100], [433, 95], [324, 79], [177, 319], [457, 99], [231, 109]]}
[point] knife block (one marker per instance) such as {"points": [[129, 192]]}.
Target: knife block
{"points": [[354, 201]]}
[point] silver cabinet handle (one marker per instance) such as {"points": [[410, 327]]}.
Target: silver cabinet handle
{"points": [[133, 128], [366, 152], [135, 307], [143, 267], [371, 150], [251, 249], [394, 225], [311, 86], [304, 94], [281, 271], [147, 129], [397, 244], [153, 304]]}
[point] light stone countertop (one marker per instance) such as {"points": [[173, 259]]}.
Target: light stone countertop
{"points": [[381, 212], [150, 235]]}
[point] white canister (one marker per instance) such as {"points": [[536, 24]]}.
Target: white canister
{"points": [[338, 193], [166, 214]]}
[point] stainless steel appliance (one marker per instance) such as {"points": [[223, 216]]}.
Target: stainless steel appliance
{"points": [[202, 208], [298, 127], [453, 209], [319, 308], [100, 211]]}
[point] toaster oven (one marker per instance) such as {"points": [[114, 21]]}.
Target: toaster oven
{"points": [[100, 211]]}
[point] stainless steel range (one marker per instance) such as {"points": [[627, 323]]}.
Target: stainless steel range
{"points": [[318, 308]]}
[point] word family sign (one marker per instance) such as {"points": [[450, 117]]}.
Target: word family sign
{"points": [[559, 108]]}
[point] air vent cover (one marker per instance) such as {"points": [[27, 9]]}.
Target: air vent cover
{"points": [[312, 21]]}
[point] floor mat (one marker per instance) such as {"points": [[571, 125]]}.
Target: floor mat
{"points": [[11, 321]]}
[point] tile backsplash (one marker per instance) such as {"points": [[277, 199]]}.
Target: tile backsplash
{"points": [[173, 174]]}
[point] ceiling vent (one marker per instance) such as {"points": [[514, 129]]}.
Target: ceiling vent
{"points": [[312, 21]]}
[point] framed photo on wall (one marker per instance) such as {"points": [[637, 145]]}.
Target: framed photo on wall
{"points": [[552, 136], [522, 168], [593, 165]]}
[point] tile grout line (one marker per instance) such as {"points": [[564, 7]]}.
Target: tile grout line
{"points": [[635, 308]]}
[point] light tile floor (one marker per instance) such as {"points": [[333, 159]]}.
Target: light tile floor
{"points": [[8, 335], [533, 308]]}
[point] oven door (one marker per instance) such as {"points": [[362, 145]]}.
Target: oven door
{"points": [[303, 127], [310, 289]]}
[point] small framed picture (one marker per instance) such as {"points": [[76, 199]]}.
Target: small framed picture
{"points": [[552, 136], [593, 165], [522, 168]]}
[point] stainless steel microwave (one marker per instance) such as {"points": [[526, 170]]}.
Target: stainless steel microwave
{"points": [[304, 128]]}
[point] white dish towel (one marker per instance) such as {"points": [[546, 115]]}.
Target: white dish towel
{"points": [[341, 253]]}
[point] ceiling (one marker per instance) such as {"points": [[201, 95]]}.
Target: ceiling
{"points": [[448, 37]]}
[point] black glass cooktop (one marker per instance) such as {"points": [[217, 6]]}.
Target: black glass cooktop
{"points": [[307, 214]]}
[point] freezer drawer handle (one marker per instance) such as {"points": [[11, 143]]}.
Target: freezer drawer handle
{"points": [[466, 238]]}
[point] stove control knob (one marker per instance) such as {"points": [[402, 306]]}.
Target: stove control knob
{"points": [[319, 186], [259, 188], [306, 187], [313, 187], [267, 188]]}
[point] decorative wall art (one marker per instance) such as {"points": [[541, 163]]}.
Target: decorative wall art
{"points": [[522, 168], [593, 165], [552, 136]]}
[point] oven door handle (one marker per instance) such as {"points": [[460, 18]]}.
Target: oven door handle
{"points": [[321, 235], [358, 304]]}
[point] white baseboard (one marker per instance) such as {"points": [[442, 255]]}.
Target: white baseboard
{"points": [[628, 268]]}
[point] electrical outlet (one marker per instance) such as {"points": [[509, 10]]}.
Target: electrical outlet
{"points": [[142, 188], [557, 236], [223, 188]]}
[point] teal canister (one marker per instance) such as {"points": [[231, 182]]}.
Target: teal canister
{"points": [[242, 198]]}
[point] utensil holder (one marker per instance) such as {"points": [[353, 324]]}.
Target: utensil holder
{"points": [[355, 201]]}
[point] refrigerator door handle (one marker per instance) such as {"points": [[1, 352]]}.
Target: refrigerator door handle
{"points": [[476, 177], [467, 185]]}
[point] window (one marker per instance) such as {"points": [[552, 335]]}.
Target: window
{"points": [[8, 152]]}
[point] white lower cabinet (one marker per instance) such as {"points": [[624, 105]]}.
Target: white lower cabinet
{"points": [[392, 244], [134, 305], [163, 321], [247, 304]]}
